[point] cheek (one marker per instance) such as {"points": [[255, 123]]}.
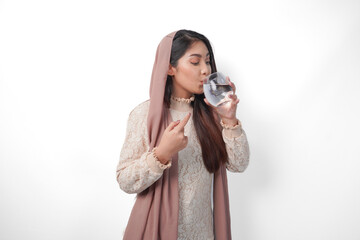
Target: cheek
{"points": [[186, 70]]}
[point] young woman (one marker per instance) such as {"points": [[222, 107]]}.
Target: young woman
{"points": [[178, 147]]}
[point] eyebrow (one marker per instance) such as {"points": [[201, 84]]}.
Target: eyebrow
{"points": [[198, 55]]}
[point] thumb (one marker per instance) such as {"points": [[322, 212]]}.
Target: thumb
{"points": [[207, 102]]}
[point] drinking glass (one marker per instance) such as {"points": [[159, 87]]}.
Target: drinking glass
{"points": [[217, 89]]}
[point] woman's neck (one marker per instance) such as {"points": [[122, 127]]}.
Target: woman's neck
{"points": [[181, 93], [181, 104]]}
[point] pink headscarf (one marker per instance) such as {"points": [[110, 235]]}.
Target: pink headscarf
{"points": [[155, 214]]}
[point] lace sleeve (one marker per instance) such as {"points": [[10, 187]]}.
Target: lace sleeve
{"points": [[138, 168], [237, 147]]}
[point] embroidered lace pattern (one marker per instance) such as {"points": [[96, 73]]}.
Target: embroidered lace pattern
{"points": [[183, 100], [138, 168]]}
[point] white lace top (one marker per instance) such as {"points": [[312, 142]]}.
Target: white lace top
{"points": [[138, 168]]}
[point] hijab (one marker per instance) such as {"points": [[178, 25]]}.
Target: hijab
{"points": [[156, 210]]}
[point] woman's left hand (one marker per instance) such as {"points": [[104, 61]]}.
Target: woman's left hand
{"points": [[227, 111]]}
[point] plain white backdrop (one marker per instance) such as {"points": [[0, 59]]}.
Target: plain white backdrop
{"points": [[71, 71]]}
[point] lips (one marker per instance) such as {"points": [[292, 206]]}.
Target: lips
{"points": [[204, 80]]}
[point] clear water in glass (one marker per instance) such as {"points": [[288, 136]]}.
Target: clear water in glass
{"points": [[217, 89]]}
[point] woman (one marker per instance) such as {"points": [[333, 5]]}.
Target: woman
{"points": [[178, 147]]}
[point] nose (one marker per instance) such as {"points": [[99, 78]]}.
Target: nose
{"points": [[205, 69]]}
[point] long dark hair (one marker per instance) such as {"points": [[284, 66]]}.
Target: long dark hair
{"points": [[206, 125]]}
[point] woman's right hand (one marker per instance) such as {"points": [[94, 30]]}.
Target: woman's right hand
{"points": [[173, 140]]}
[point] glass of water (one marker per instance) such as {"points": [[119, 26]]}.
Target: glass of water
{"points": [[217, 89]]}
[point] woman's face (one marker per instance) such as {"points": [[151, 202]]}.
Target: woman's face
{"points": [[188, 76]]}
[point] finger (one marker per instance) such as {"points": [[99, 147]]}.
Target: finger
{"points": [[183, 122], [172, 125], [233, 97], [235, 102], [232, 85]]}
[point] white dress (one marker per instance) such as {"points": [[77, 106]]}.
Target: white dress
{"points": [[138, 168]]}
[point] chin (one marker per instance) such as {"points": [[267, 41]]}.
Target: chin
{"points": [[199, 91]]}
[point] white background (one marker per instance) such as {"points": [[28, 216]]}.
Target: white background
{"points": [[72, 70]]}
